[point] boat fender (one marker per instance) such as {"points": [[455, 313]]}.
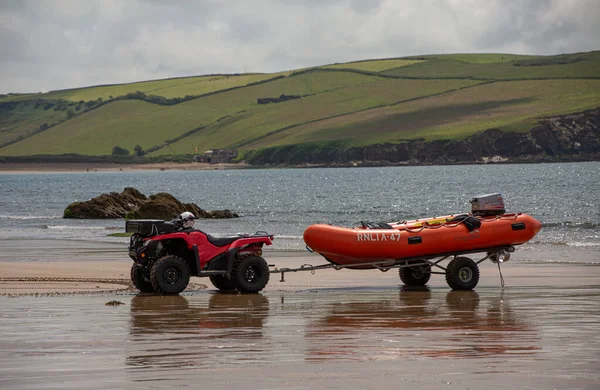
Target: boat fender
{"points": [[469, 221]]}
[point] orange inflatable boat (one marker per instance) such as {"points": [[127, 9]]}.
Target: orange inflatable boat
{"points": [[412, 245]]}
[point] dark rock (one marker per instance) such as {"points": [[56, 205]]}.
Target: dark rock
{"points": [[218, 214], [113, 205], [133, 204], [114, 303]]}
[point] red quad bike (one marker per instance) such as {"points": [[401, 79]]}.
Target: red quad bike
{"points": [[165, 256]]}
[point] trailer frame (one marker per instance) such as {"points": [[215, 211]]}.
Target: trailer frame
{"points": [[425, 264]]}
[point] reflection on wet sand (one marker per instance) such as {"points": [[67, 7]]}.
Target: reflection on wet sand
{"points": [[360, 337], [171, 331], [420, 323]]}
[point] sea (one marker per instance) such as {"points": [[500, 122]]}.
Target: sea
{"points": [[565, 197]]}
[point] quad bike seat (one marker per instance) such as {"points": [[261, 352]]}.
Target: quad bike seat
{"points": [[216, 241], [221, 241]]}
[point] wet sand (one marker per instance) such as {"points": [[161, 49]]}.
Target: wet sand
{"points": [[335, 329]]}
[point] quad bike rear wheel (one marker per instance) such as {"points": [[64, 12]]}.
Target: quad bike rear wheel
{"points": [[414, 276], [251, 274], [170, 275], [223, 283], [462, 274], [139, 280]]}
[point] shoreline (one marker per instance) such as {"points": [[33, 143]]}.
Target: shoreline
{"points": [[79, 167]]}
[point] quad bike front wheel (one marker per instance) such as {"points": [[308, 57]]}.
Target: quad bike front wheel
{"points": [[170, 275], [139, 280], [414, 276], [251, 274], [223, 283], [462, 274]]}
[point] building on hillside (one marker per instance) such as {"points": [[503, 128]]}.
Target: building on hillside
{"points": [[217, 156]]}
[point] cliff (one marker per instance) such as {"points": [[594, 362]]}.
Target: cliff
{"points": [[574, 137]]}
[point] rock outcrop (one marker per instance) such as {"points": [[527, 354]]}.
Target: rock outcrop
{"points": [[574, 137], [133, 204]]}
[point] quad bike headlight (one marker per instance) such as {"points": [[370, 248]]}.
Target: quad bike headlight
{"points": [[151, 249]]}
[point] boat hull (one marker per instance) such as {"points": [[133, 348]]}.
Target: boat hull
{"points": [[416, 239]]}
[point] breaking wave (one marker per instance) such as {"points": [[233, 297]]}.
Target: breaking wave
{"points": [[571, 225], [76, 227], [29, 217]]}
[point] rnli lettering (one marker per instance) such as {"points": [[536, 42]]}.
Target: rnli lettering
{"points": [[377, 236]]}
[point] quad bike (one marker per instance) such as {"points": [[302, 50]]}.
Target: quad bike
{"points": [[165, 255]]}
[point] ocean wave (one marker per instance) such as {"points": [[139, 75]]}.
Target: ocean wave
{"points": [[583, 244], [558, 261], [76, 227], [571, 225], [29, 217], [562, 243]]}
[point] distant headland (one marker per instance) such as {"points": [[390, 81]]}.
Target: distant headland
{"points": [[431, 109]]}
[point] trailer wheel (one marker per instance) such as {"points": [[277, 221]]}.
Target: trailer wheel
{"points": [[222, 283], [414, 276], [170, 275], [139, 280], [462, 274], [251, 274]]}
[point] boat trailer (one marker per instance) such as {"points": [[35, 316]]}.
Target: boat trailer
{"points": [[462, 273]]}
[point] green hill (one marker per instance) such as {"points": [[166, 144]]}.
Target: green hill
{"points": [[435, 97]]}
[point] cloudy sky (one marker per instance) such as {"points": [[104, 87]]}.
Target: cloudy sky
{"points": [[55, 44]]}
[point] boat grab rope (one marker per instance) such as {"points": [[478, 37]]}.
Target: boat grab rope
{"points": [[497, 217], [501, 277], [456, 221], [408, 229], [470, 222]]}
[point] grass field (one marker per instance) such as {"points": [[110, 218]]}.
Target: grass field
{"points": [[127, 123], [166, 88], [248, 129], [513, 106], [390, 100], [453, 67], [25, 118], [170, 88], [480, 58], [374, 66]]}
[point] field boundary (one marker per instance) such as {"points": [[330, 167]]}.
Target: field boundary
{"points": [[358, 111]]}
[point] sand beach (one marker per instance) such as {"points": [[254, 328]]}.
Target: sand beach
{"points": [[57, 167], [334, 329]]}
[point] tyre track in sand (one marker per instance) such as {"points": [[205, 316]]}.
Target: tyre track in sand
{"points": [[56, 286]]}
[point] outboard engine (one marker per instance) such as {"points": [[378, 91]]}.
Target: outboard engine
{"points": [[490, 204]]}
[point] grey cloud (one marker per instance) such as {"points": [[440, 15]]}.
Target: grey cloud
{"points": [[55, 44]]}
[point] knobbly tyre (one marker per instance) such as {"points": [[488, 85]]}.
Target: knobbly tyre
{"points": [[166, 253]]}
